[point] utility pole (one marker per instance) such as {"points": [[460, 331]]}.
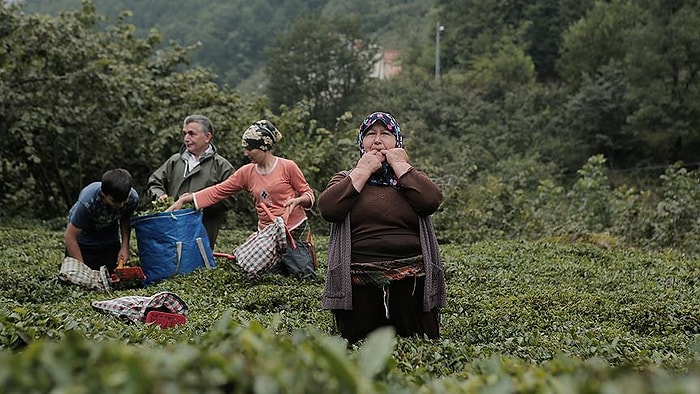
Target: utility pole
{"points": [[438, 29]]}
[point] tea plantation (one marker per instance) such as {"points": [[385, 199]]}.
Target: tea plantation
{"points": [[534, 317]]}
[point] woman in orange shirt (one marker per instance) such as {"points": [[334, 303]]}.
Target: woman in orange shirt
{"points": [[271, 180]]}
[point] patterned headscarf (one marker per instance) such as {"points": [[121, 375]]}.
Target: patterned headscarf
{"points": [[384, 176], [261, 135]]}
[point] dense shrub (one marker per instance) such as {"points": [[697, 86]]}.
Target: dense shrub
{"points": [[497, 207], [521, 316]]}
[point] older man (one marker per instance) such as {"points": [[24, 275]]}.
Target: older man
{"points": [[196, 166]]}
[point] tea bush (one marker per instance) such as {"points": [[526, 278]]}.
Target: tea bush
{"points": [[489, 206], [557, 315]]}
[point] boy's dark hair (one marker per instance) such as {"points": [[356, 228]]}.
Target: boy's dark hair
{"points": [[117, 184]]}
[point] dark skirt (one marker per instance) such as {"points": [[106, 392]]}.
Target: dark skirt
{"points": [[406, 314]]}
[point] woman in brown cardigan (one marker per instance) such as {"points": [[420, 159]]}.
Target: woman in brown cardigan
{"points": [[384, 268]]}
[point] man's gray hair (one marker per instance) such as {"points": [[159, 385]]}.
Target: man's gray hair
{"points": [[206, 124]]}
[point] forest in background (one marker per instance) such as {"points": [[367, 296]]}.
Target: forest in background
{"points": [[234, 34], [563, 134], [540, 109]]}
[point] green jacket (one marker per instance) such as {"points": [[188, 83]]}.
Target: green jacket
{"points": [[212, 169]]}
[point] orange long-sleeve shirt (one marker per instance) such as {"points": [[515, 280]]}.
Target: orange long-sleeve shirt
{"points": [[283, 182]]}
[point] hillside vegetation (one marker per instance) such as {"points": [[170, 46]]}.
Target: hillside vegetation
{"points": [[528, 93], [234, 34], [564, 135], [546, 316]]}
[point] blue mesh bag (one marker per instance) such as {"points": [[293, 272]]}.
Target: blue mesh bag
{"points": [[172, 243]]}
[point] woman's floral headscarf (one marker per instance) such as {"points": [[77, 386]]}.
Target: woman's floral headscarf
{"points": [[384, 176], [260, 135]]}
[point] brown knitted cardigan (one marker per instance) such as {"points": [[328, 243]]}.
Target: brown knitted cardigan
{"points": [[337, 292]]}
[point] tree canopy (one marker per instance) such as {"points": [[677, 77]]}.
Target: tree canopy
{"points": [[323, 61], [77, 100], [529, 90]]}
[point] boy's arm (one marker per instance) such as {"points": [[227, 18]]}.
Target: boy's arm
{"points": [[125, 224], [70, 237]]}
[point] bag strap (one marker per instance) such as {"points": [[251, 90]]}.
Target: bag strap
{"points": [[312, 247], [292, 242], [309, 236], [200, 244], [284, 218], [178, 250], [268, 212]]}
